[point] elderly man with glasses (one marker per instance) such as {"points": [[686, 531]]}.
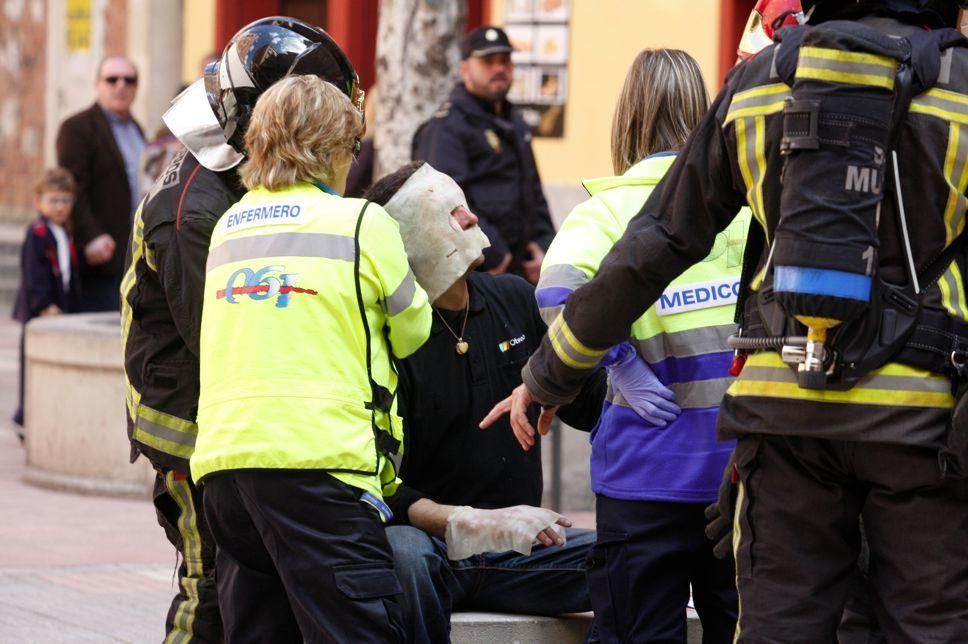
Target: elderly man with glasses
{"points": [[101, 146]]}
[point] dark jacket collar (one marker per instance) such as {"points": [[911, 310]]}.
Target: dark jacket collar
{"points": [[460, 97]]}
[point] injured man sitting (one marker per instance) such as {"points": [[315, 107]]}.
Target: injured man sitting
{"points": [[468, 531]]}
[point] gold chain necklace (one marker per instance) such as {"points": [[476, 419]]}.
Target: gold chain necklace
{"points": [[462, 346]]}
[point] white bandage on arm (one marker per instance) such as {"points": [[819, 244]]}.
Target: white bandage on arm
{"points": [[471, 531]]}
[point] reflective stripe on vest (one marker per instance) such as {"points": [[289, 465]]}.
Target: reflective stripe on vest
{"points": [[699, 394], [402, 297], [556, 284], [241, 249], [685, 344]]}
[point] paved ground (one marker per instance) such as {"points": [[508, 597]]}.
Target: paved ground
{"points": [[78, 568], [73, 568]]}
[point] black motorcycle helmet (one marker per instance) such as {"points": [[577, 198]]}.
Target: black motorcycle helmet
{"points": [[264, 52], [933, 13]]}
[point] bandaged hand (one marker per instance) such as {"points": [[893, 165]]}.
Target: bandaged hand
{"points": [[471, 531], [642, 390]]}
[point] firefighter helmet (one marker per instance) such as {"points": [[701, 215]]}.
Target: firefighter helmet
{"points": [[260, 54], [767, 16]]}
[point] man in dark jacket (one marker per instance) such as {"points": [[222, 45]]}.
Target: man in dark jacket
{"points": [[101, 147], [485, 146], [812, 462], [165, 275], [462, 486]]}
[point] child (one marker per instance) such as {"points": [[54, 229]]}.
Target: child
{"points": [[48, 263]]}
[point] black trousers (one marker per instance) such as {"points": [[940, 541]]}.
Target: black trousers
{"points": [[194, 613], [647, 555], [797, 539], [300, 558]]}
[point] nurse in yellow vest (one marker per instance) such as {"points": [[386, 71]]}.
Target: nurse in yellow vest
{"points": [[307, 294]]}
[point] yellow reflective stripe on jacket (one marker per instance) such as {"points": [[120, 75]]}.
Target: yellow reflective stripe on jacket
{"points": [[952, 290], [943, 104], [855, 68], [759, 101], [892, 385], [569, 349], [751, 154], [956, 175], [164, 432], [132, 397], [183, 623]]}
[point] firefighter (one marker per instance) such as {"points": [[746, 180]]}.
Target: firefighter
{"points": [[161, 292], [831, 440]]}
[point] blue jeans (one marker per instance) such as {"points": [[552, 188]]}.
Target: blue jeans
{"points": [[549, 581]]}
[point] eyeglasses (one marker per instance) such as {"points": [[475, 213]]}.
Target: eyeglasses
{"points": [[128, 80]]}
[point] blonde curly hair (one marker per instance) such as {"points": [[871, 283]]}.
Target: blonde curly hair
{"points": [[302, 129]]}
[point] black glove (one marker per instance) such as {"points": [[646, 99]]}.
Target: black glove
{"points": [[719, 515]]}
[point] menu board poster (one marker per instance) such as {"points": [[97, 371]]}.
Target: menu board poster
{"points": [[539, 32]]}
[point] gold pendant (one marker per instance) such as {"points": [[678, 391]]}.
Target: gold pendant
{"points": [[462, 347]]}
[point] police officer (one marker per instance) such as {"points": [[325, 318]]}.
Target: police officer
{"points": [[307, 296], [162, 288], [810, 462], [478, 139]]}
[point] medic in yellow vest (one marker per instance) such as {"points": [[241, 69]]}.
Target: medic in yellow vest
{"points": [[283, 350]]}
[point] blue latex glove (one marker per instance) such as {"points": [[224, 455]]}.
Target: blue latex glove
{"points": [[653, 401]]}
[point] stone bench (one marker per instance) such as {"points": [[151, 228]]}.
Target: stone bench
{"points": [[502, 628], [74, 408]]}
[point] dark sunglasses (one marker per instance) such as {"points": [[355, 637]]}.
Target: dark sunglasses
{"points": [[128, 80]]}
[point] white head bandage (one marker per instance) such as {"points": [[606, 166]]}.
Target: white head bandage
{"points": [[438, 250]]}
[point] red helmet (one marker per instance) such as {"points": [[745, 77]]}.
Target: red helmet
{"points": [[767, 16]]}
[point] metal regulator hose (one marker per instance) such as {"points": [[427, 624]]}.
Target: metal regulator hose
{"points": [[756, 344]]}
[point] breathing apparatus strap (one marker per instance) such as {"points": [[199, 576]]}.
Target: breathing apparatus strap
{"points": [[381, 397], [939, 342]]}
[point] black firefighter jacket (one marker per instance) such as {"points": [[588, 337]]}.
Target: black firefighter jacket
{"points": [[161, 306], [733, 159]]}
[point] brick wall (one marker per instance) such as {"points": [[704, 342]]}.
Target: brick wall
{"points": [[115, 28], [23, 36], [23, 79]]}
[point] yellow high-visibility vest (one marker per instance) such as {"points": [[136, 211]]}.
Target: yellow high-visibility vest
{"points": [[283, 352]]}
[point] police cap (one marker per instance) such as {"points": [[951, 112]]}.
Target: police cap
{"points": [[485, 40]]}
